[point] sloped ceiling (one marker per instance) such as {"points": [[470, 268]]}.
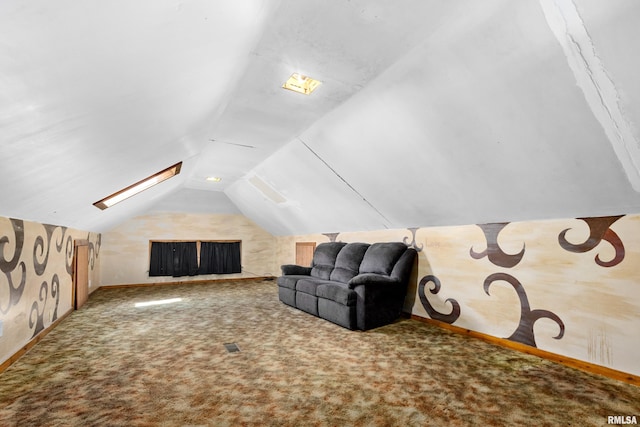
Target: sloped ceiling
{"points": [[430, 112]]}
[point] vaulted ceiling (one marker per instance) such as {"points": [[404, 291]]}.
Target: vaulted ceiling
{"points": [[429, 112]]}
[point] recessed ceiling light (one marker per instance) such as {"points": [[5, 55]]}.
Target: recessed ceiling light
{"points": [[139, 186], [301, 84], [214, 179]]}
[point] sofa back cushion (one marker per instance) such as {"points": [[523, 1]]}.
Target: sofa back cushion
{"points": [[380, 258], [324, 259], [348, 262]]}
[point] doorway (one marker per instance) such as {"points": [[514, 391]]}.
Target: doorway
{"points": [[304, 253], [80, 293]]}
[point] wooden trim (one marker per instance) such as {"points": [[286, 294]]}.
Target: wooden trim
{"points": [[187, 282], [564, 360], [35, 340]]}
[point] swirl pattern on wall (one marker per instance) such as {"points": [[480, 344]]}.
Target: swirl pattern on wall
{"points": [[39, 247], [37, 314], [51, 256], [413, 243], [15, 292], [55, 293], [524, 332], [332, 236], [598, 231], [433, 313], [94, 249], [8, 266], [494, 252]]}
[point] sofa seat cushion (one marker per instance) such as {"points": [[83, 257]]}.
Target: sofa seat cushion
{"points": [[338, 292], [309, 285], [289, 281]]}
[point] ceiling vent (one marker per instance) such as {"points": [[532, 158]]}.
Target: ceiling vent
{"points": [[266, 189]]}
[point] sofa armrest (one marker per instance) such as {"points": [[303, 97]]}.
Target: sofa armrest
{"points": [[372, 279], [290, 269]]}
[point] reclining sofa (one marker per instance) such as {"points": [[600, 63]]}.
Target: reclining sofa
{"points": [[355, 285]]}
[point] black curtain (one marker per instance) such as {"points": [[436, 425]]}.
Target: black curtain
{"points": [[220, 258], [173, 259]]}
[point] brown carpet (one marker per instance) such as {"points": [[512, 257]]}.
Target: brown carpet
{"points": [[112, 364]]}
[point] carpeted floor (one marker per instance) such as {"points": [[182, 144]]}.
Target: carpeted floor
{"points": [[114, 364]]}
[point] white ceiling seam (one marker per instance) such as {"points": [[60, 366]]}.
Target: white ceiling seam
{"points": [[594, 81], [233, 143], [386, 220]]}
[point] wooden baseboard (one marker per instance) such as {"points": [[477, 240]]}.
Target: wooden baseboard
{"points": [[568, 361], [186, 282], [35, 340]]}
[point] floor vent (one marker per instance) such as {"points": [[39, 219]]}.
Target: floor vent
{"points": [[232, 347]]}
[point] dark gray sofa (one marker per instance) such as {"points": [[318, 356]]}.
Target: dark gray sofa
{"points": [[355, 285]]}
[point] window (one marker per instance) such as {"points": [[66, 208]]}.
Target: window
{"points": [[220, 258], [190, 258], [173, 259]]}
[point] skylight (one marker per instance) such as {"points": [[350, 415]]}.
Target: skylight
{"points": [[138, 187]]}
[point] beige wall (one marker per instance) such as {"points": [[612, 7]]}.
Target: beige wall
{"points": [[126, 247], [36, 282], [598, 306]]}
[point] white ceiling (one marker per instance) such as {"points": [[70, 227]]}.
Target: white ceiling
{"points": [[430, 112]]}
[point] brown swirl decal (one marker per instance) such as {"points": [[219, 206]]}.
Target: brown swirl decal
{"points": [[413, 241], [94, 249], [8, 266], [524, 333], [40, 244], [455, 307], [598, 231], [69, 256], [55, 293], [36, 317], [15, 292], [495, 254], [332, 236]]}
